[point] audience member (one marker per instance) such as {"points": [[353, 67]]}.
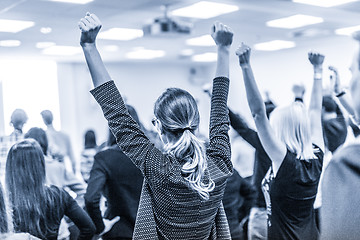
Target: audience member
{"points": [[294, 143], [345, 100], [183, 189], [238, 199], [334, 124], [87, 155], [118, 179], [59, 142], [257, 224], [36, 208], [18, 119], [340, 215], [56, 173]]}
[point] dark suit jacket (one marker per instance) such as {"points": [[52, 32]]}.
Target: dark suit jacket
{"points": [[120, 181]]}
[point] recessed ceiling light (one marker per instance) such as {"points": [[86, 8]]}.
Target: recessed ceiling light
{"points": [[187, 52], [294, 21], [348, 31], [274, 45], [205, 57], [62, 50], [204, 10], [45, 30], [111, 48], [324, 3], [14, 26], [44, 44], [73, 1], [205, 40], [10, 43], [142, 53], [123, 34]]}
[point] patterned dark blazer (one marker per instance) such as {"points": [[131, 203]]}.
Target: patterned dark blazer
{"points": [[169, 208]]}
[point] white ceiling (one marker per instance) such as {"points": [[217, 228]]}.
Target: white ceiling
{"points": [[248, 24]]}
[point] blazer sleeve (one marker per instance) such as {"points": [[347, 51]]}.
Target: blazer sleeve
{"points": [[154, 165], [219, 143], [93, 194]]}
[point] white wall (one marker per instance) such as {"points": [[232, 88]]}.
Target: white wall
{"points": [[139, 83], [142, 83]]}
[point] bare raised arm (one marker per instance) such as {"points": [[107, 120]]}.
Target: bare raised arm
{"points": [[315, 106], [341, 94], [90, 26], [275, 148]]}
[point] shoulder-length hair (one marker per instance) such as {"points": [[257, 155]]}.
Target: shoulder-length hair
{"points": [[34, 205], [292, 126]]}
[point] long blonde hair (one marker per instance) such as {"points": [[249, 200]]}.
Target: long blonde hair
{"points": [[177, 111], [292, 126]]}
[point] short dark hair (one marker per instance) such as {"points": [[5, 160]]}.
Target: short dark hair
{"points": [[47, 117], [329, 104], [40, 136]]}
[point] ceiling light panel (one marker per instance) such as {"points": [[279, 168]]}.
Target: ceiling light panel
{"points": [[348, 31], [274, 45], [294, 21], [145, 54], [205, 40], [204, 10], [205, 57], [10, 43], [44, 44], [14, 26], [123, 34], [73, 1], [324, 3], [62, 50]]}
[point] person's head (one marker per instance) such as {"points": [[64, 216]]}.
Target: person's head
{"points": [[25, 166], [329, 105], [47, 117], [176, 112], [18, 118], [269, 107], [90, 139], [25, 183], [40, 136], [291, 125], [176, 119]]}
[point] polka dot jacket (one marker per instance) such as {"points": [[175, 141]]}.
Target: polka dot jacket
{"points": [[169, 208]]}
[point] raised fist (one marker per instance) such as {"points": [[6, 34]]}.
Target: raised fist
{"points": [[90, 26], [243, 52], [222, 34], [316, 59]]}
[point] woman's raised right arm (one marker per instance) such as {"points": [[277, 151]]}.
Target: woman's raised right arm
{"points": [[219, 145], [90, 26]]}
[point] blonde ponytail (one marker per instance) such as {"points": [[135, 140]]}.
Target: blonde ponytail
{"points": [[177, 111], [191, 149]]}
